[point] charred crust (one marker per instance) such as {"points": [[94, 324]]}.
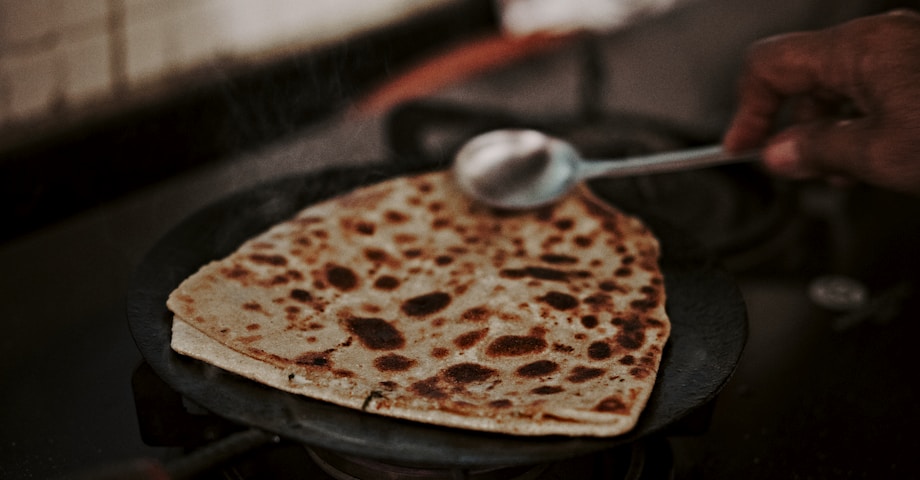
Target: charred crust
{"points": [[559, 300], [425, 304], [515, 345], [370, 397]]}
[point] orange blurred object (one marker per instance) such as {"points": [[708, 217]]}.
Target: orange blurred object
{"points": [[456, 64]]}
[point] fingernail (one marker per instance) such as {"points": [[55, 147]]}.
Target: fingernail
{"points": [[782, 157]]}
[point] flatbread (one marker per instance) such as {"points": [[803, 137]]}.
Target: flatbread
{"points": [[408, 300]]}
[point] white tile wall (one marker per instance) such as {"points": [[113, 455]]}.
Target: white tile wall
{"points": [[66, 54], [84, 64], [30, 85]]}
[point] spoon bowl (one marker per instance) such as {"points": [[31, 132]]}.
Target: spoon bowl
{"points": [[521, 169], [516, 168]]}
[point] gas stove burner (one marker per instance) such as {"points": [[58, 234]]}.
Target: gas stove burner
{"points": [[345, 467], [642, 460]]}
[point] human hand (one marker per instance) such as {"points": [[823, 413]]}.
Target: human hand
{"points": [[867, 68]]}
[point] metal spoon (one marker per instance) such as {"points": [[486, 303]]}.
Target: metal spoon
{"points": [[518, 169]]}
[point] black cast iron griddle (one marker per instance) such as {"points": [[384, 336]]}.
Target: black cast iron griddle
{"points": [[709, 329]]}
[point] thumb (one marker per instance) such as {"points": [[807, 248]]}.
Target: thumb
{"points": [[820, 149]]}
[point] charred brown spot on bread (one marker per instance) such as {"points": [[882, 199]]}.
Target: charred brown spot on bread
{"points": [[559, 300], [581, 374], [469, 339], [301, 295], [440, 222], [500, 403], [558, 347], [392, 216], [413, 253], [631, 334], [547, 390], [651, 300], [627, 360], [443, 260], [253, 326], [253, 307], [236, 272], [185, 299], [647, 360], [365, 227], [654, 322], [550, 241], [611, 286], [599, 300], [564, 224], [612, 227], [599, 351], [375, 333], [622, 272], [515, 345], [386, 282], [612, 404], [428, 388], [425, 304], [475, 314], [639, 372], [376, 255], [404, 238], [342, 278], [539, 368], [393, 363], [589, 321], [463, 373], [314, 360], [556, 258], [541, 273], [389, 385], [583, 241], [440, 352], [357, 225], [274, 260]]}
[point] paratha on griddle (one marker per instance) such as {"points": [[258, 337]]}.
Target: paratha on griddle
{"points": [[406, 299]]}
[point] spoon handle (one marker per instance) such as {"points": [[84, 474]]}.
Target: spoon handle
{"points": [[663, 162]]}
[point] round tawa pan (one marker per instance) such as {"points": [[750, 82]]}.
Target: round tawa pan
{"points": [[709, 329]]}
